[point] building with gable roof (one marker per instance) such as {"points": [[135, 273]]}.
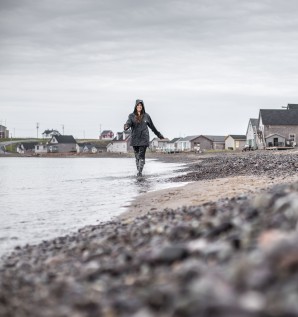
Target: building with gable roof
{"points": [[217, 142], [159, 145], [106, 135], [235, 142], [201, 143], [172, 146], [292, 106], [4, 133], [251, 133], [26, 147], [87, 147], [121, 143], [62, 144], [277, 127], [187, 143]]}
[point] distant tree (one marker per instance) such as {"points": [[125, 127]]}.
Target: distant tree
{"points": [[50, 133]]}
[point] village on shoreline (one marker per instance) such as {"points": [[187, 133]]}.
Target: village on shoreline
{"points": [[274, 129]]}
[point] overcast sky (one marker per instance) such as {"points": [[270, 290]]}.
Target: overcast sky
{"points": [[201, 66]]}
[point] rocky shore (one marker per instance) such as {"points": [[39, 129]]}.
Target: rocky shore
{"points": [[265, 163], [228, 257]]}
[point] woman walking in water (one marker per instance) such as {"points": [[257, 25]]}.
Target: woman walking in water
{"points": [[139, 121]]}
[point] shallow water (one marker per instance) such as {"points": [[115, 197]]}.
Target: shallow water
{"points": [[43, 198]]}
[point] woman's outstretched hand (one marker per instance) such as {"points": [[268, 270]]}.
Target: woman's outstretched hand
{"points": [[126, 127], [161, 137]]}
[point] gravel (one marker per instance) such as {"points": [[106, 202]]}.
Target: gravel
{"points": [[235, 257]]}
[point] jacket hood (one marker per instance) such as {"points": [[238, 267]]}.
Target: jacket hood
{"points": [[137, 102]]}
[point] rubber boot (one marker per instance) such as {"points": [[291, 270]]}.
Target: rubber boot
{"points": [[141, 166], [137, 163], [137, 160]]}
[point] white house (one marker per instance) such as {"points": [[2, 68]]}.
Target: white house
{"points": [[172, 146], [185, 144], [251, 133], [87, 148], [121, 143], [159, 145], [235, 142], [41, 148]]}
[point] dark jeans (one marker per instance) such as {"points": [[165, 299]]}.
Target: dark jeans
{"points": [[140, 152]]}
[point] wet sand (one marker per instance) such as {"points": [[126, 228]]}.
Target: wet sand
{"points": [[199, 193]]}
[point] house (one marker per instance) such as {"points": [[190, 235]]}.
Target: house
{"points": [[4, 133], [121, 143], [208, 142], [235, 142], [292, 106], [26, 147], [87, 148], [41, 148], [275, 140], [251, 133], [106, 135], [159, 145], [172, 146], [277, 127], [218, 141], [62, 144], [186, 144]]}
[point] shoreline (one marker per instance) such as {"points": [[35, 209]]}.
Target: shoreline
{"points": [[225, 243], [164, 157], [198, 193]]}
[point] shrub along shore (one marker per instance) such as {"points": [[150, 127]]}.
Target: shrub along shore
{"points": [[223, 256]]}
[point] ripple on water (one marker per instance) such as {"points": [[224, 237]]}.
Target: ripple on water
{"points": [[51, 197]]}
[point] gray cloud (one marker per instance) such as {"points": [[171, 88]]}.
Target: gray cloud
{"points": [[58, 58]]}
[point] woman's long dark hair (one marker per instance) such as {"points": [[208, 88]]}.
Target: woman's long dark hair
{"points": [[139, 117]]}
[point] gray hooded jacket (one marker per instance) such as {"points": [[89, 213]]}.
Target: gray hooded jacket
{"points": [[139, 130]]}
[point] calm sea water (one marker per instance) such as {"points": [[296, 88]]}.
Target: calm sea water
{"points": [[42, 198]]}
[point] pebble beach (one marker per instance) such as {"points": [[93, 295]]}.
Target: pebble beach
{"points": [[225, 244]]}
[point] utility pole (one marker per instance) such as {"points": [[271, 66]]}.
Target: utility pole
{"points": [[100, 131], [62, 129], [37, 127]]}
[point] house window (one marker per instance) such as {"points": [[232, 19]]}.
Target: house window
{"points": [[292, 137], [237, 144]]}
